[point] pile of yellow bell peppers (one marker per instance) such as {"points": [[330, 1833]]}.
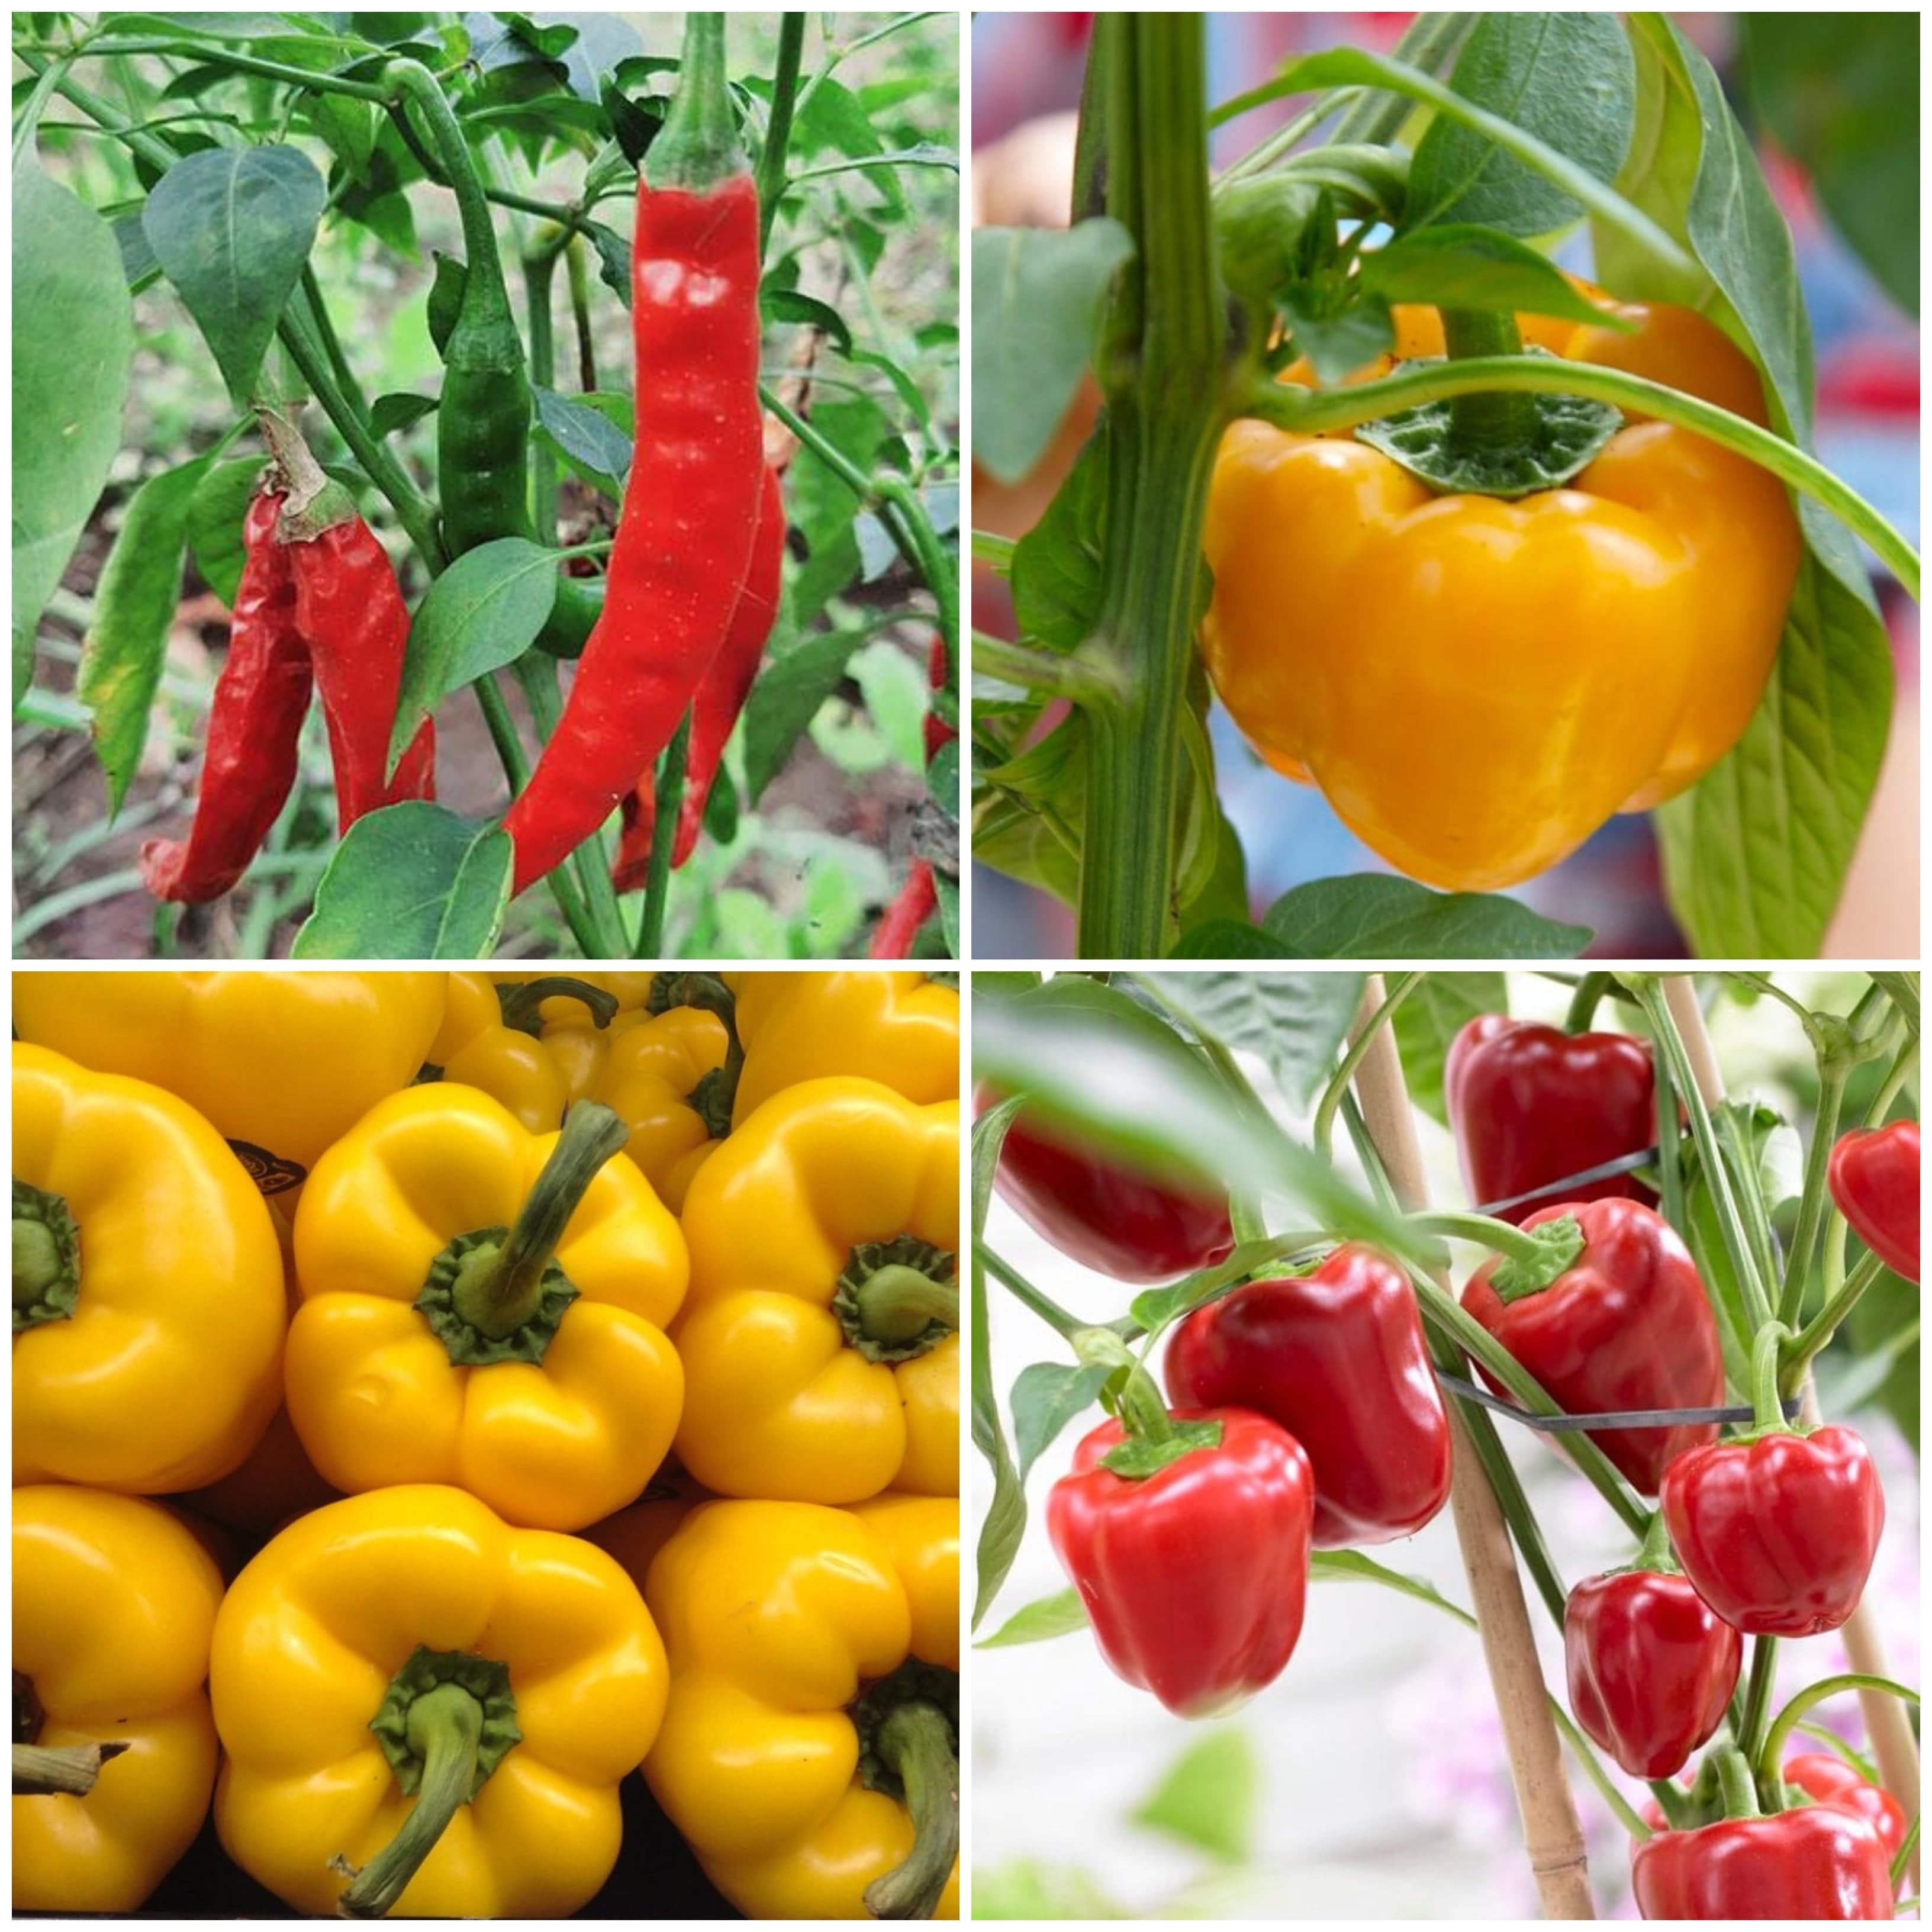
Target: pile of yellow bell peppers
{"points": [[439, 1396]]}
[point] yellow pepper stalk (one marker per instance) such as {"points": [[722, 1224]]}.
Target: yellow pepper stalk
{"points": [[485, 1307], [821, 1349], [148, 1303], [403, 1684], [809, 1750], [114, 1604], [282, 1063]]}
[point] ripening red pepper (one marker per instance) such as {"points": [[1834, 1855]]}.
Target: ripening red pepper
{"points": [[918, 900], [1651, 1667], [1337, 1356], [1531, 1105], [1827, 1778], [684, 541], [1195, 1578], [1777, 1532], [1874, 1180], [1627, 1326], [1105, 1216], [937, 731], [1816, 1862]]}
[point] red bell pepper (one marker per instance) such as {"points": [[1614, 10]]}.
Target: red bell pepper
{"points": [[1874, 1178], [1650, 1669], [1816, 1862], [1628, 1326], [1106, 1215], [1531, 1105], [1194, 1578], [1337, 1358], [1777, 1532], [1827, 1778]]}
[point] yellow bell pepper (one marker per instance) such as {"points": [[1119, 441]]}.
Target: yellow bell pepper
{"points": [[484, 1307], [808, 1753], [922, 1533], [631, 992], [149, 1305], [403, 1682], [114, 1604], [282, 1063], [821, 1350], [900, 1029]]}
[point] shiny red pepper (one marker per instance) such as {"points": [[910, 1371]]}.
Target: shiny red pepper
{"points": [[1874, 1179], [898, 929], [1650, 1669], [1194, 1578], [1777, 1532], [1105, 1216], [937, 731], [1628, 1326], [1531, 1105], [1337, 1358], [1815, 1862], [1827, 1778]]}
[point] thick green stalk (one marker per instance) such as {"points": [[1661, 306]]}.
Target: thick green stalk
{"points": [[698, 148], [777, 125]]}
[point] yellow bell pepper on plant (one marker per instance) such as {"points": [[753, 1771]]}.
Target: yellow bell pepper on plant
{"points": [[820, 1342], [405, 1684], [114, 1605], [282, 1063], [149, 1304], [809, 1750], [485, 1307]]}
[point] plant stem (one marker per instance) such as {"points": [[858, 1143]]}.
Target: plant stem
{"points": [[771, 174], [670, 803]]}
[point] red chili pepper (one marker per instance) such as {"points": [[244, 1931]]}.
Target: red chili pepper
{"points": [[1650, 1669], [1531, 1105], [1106, 1215], [1777, 1532], [937, 731], [1816, 1862], [1194, 1578], [917, 902], [1874, 1180], [1827, 1778], [684, 541], [254, 728], [1337, 1358], [1628, 1326]]}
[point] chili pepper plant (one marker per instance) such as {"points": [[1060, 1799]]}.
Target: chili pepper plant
{"points": [[1672, 1322], [620, 649], [1485, 550]]}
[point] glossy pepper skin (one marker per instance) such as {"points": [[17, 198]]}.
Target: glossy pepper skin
{"points": [[790, 1393], [1628, 1327], [1392, 646], [1874, 1180], [1195, 1579], [1531, 1105], [775, 1617], [898, 927], [1651, 1668], [375, 1392], [1815, 1862], [1336, 1358], [149, 1360], [1778, 1534], [114, 1604], [1828, 1778], [314, 1632], [282, 1063]]}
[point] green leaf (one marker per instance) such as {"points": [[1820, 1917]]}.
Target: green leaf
{"points": [[214, 520], [232, 226], [1371, 916], [1005, 1522], [1047, 1396], [1293, 1022], [593, 444], [1057, 565], [1038, 295], [413, 881], [1209, 1796], [74, 342], [1432, 1016], [787, 698], [1038, 1622], [1459, 266], [1027, 1889], [127, 639]]}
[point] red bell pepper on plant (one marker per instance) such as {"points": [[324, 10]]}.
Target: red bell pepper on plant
{"points": [[1874, 1180], [1777, 1531], [1827, 1778], [1194, 1577], [1531, 1105], [1627, 1327], [684, 541], [1816, 1862], [1336, 1358]]}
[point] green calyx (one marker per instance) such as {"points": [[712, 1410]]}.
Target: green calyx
{"points": [[521, 1003], [497, 1294], [446, 1721], [315, 501], [908, 1727], [898, 1300], [46, 1258], [1138, 1457], [697, 148], [1558, 1244]]}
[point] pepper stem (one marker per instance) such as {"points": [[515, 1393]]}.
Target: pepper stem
{"points": [[521, 1004], [698, 146], [445, 1726], [1487, 419], [897, 1302], [42, 1770], [915, 1742], [1736, 1781]]}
